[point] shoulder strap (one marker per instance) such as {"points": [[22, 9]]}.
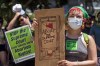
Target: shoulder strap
{"points": [[86, 38]]}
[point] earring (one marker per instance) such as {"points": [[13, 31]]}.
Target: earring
{"points": [[83, 26]]}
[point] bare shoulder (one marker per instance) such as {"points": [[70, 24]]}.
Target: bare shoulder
{"points": [[91, 40], [90, 37]]}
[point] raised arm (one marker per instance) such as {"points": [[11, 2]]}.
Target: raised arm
{"points": [[12, 22]]}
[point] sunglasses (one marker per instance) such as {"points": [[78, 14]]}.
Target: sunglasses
{"points": [[21, 19]]}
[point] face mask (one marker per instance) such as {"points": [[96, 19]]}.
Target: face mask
{"points": [[75, 23]]}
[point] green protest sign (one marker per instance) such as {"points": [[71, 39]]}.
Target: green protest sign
{"points": [[21, 43]]}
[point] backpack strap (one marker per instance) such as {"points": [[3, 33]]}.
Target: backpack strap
{"points": [[86, 38]]}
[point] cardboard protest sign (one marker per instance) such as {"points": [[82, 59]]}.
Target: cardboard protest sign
{"points": [[49, 37], [21, 43]]}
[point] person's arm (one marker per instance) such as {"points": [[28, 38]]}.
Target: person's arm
{"points": [[92, 56], [12, 22]]}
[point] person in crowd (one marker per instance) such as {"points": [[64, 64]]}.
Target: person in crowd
{"points": [[95, 32], [21, 19], [88, 24], [18, 21], [77, 51], [3, 46]]}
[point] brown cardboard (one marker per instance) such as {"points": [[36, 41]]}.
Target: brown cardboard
{"points": [[49, 36]]}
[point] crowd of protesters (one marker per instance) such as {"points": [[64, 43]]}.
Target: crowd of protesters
{"points": [[91, 26]]}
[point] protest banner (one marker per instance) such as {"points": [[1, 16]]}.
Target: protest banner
{"points": [[21, 43], [49, 36]]}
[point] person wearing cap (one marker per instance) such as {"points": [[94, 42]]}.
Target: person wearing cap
{"points": [[95, 33], [3, 48], [77, 51], [88, 24]]}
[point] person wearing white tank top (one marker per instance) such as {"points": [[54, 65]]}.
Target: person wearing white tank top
{"points": [[77, 52]]}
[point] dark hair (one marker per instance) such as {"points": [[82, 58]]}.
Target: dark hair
{"points": [[1, 20], [24, 15], [18, 22]]}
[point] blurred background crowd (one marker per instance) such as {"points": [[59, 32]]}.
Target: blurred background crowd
{"points": [[92, 6]]}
